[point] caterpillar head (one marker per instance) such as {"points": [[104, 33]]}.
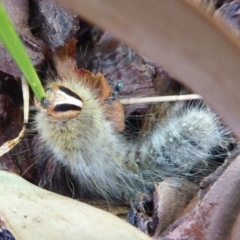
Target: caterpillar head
{"points": [[60, 103]]}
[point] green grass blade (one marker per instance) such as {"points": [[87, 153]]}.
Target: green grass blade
{"points": [[13, 44]]}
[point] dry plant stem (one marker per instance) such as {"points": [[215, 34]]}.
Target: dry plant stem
{"points": [[25, 90], [7, 146], [177, 36], [30, 212], [160, 99]]}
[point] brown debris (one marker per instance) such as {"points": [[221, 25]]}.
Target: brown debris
{"points": [[216, 213], [170, 198], [18, 12], [54, 24]]}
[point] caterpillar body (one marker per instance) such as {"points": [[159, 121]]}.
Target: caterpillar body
{"points": [[73, 126]]}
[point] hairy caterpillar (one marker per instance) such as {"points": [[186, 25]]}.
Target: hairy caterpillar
{"points": [[74, 127]]}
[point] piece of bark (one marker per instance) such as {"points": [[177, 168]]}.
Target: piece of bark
{"points": [[208, 181], [140, 212], [170, 198], [18, 13], [52, 23], [216, 214]]}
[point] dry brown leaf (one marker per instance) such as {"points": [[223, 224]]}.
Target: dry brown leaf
{"points": [[217, 211], [30, 212]]}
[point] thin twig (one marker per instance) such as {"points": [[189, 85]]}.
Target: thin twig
{"points": [[160, 99], [25, 90]]}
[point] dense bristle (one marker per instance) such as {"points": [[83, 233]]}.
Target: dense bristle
{"points": [[185, 143], [88, 146], [105, 164]]}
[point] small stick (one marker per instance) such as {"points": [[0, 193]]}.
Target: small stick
{"points": [[160, 99], [26, 97]]}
